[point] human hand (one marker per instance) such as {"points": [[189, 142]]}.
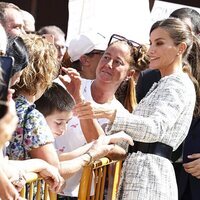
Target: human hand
{"points": [[7, 189], [104, 144], [8, 122], [72, 82], [18, 180], [52, 176], [193, 167], [90, 110]]}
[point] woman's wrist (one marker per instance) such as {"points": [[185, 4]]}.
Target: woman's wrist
{"points": [[87, 158], [111, 115], [79, 99]]}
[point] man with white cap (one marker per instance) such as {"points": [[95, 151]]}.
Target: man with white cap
{"points": [[85, 52]]}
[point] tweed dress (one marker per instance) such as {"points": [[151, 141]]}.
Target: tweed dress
{"points": [[163, 115]]}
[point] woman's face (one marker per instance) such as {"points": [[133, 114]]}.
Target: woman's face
{"points": [[16, 78], [162, 52], [114, 65]]}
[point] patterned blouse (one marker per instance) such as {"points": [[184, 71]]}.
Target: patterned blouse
{"points": [[163, 115], [32, 131]]}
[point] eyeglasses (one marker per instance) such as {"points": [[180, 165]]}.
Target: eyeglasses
{"points": [[116, 37]]}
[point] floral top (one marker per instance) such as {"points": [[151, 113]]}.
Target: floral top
{"points": [[32, 131]]}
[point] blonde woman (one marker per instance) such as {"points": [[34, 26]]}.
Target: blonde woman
{"points": [[33, 138]]}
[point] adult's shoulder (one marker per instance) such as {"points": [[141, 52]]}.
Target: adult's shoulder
{"points": [[151, 73], [146, 79]]}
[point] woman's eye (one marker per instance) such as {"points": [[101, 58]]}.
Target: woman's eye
{"points": [[159, 43], [106, 57], [118, 62]]}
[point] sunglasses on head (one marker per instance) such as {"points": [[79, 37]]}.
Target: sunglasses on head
{"points": [[116, 37]]}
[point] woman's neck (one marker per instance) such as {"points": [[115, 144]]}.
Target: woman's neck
{"points": [[175, 67], [101, 93], [30, 98]]}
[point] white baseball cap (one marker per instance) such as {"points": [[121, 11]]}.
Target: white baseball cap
{"points": [[85, 43]]}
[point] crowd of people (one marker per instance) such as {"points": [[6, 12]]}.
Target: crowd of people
{"points": [[69, 106]]}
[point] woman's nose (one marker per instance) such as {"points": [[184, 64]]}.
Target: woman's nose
{"points": [[110, 63], [150, 51]]}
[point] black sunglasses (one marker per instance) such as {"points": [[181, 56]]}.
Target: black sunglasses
{"points": [[116, 37]]}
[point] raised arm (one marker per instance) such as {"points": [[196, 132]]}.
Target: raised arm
{"points": [[72, 81]]}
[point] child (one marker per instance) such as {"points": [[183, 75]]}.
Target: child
{"points": [[56, 105]]}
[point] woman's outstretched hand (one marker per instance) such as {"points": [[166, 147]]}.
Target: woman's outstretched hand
{"points": [[90, 110], [104, 144]]}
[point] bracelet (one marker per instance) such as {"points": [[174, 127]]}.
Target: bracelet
{"points": [[89, 154], [91, 158]]}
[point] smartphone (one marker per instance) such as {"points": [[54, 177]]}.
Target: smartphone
{"points": [[6, 66]]}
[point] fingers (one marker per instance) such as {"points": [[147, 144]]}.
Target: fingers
{"points": [[98, 151], [64, 79], [56, 184], [192, 164], [193, 167], [83, 110], [194, 156], [119, 137], [194, 172], [52, 176], [71, 72], [20, 182]]}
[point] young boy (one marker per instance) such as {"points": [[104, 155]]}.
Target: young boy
{"points": [[56, 105]]}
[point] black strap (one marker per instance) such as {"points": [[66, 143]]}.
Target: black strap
{"points": [[156, 148]]}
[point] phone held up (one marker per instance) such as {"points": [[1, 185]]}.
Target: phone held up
{"points": [[6, 65]]}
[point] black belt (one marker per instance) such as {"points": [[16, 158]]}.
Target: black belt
{"points": [[156, 148]]}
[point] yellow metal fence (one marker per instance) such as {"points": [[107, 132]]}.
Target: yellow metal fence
{"points": [[106, 180]]}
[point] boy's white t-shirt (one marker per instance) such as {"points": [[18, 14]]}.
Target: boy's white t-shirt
{"points": [[74, 138]]}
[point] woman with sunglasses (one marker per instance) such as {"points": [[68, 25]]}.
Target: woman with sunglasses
{"points": [[161, 120], [117, 64]]}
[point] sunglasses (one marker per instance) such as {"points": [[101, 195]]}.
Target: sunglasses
{"points": [[116, 37]]}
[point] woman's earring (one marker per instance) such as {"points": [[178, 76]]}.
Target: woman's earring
{"points": [[127, 78]]}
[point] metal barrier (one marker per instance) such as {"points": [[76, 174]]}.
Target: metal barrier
{"points": [[35, 189], [106, 180]]}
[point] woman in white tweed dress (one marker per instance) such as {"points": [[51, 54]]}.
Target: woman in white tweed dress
{"points": [[162, 119]]}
